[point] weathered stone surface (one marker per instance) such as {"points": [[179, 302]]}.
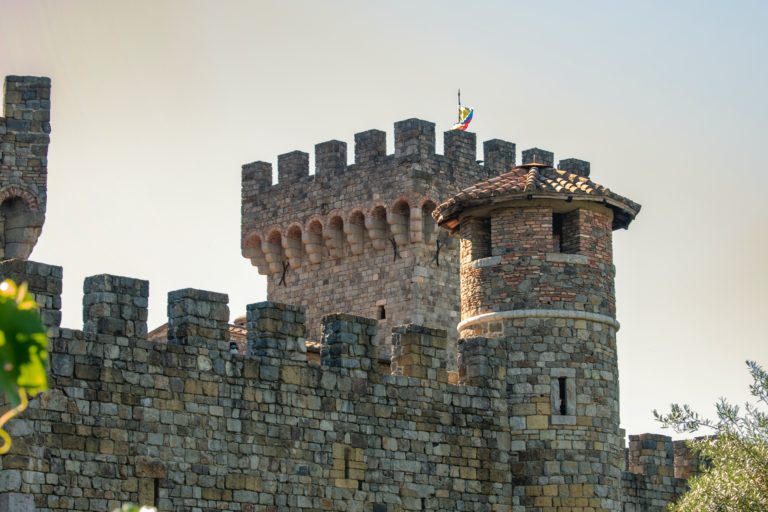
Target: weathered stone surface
{"points": [[23, 163]]}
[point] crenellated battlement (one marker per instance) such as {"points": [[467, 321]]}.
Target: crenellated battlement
{"points": [[210, 416], [193, 390], [360, 238]]}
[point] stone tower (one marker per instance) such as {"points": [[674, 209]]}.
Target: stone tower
{"points": [[538, 323], [24, 138], [360, 238]]}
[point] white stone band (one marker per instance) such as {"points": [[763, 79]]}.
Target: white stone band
{"points": [[538, 313]]}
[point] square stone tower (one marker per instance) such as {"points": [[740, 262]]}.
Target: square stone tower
{"points": [[24, 136], [360, 238]]}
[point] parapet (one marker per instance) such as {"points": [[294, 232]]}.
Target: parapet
{"points": [[499, 155], [115, 306], [651, 455], [27, 105], [276, 337], [347, 344], [657, 456], [44, 282], [576, 166], [330, 156], [292, 166], [414, 137], [687, 462], [370, 146], [197, 314], [480, 360], [419, 352], [538, 156]]}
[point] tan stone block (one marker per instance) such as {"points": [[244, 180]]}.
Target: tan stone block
{"points": [[234, 481], [550, 490], [346, 483], [291, 375], [537, 422]]}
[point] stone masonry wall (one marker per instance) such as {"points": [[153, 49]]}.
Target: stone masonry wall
{"points": [[360, 238], [186, 425], [523, 271], [24, 137]]}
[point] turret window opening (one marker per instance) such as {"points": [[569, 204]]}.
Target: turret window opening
{"points": [[563, 406], [565, 232]]}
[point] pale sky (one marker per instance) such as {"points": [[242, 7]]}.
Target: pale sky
{"points": [[156, 105]]}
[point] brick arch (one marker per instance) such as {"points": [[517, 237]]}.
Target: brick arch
{"points": [[252, 249], [376, 224], [15, 191], [292, 243], [399, 220], [313, 239], [315, 219], [272, 245], [428, 224], [354, 228], [334, 234]]}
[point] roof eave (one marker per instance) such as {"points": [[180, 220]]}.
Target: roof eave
{"points": [[449, 216]]}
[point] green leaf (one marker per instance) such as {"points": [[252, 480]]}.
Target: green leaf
{"points": [[23, 343]]}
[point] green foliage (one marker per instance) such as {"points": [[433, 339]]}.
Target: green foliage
{"points": [[736, 475], [23, 344], [130, 507]]}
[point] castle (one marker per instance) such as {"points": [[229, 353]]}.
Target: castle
{"points": [[529, 421]]}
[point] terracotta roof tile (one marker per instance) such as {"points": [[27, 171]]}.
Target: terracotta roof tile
{"points": [[537, 181]]}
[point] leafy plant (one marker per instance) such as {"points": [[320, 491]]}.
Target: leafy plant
{"points": [[736, 474], [23, 352], [130, 507]]}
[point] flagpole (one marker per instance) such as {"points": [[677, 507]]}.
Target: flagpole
{"points": [[459, 116]]}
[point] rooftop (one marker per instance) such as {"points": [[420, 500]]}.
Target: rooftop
{"points": [[535, 181]]}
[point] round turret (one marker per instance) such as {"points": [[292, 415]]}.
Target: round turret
{"points": [[537, 287]]}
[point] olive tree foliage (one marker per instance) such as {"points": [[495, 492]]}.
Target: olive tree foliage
{"points": [[735, 474]]}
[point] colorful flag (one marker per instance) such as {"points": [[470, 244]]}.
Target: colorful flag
{"points": [[465, 117]]}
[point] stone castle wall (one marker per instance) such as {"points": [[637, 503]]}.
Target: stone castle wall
{"points": [[24, 137], [360, 238], [186, 425]]}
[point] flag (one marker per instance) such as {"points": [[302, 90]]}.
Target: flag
{"points": [[465, 117]]}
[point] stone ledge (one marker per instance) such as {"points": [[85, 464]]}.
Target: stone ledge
{"points": [[484, 262], [559, 257]]}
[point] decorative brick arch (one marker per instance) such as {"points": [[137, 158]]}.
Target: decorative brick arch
{"points": [[15, 191]]}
